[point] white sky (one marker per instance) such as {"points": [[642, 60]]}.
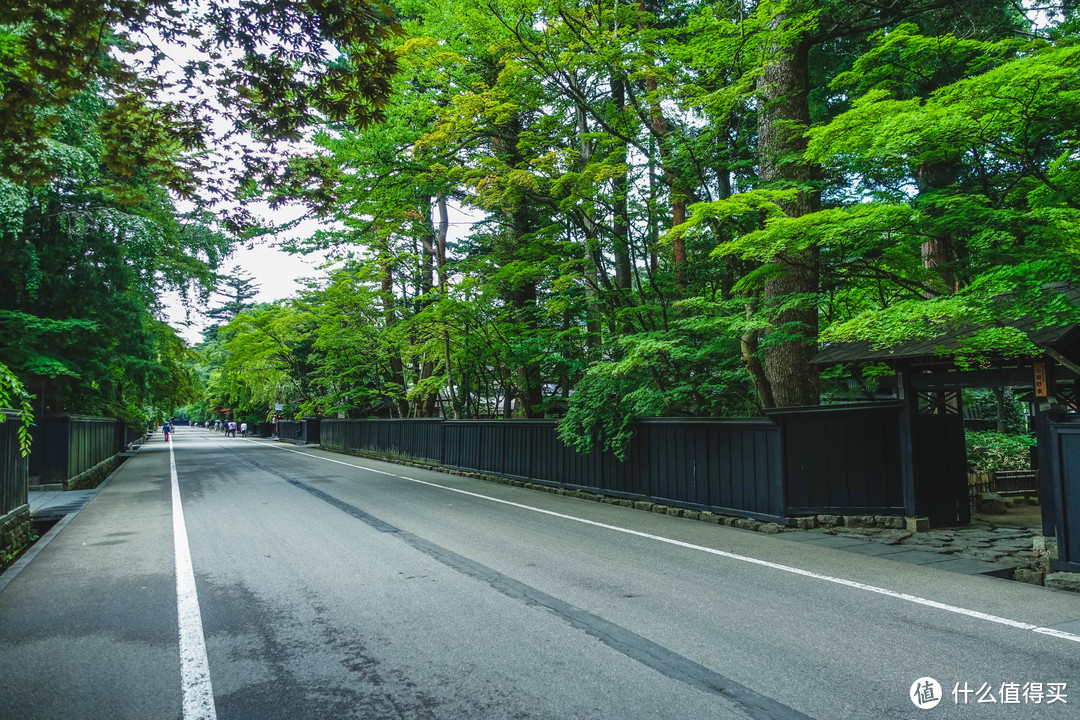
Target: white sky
{"points": [[275, 272]]}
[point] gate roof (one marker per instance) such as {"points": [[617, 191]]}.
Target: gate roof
{"points": [[1062, 338]]}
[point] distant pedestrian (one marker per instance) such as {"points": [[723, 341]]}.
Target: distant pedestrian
{"points": [[232, 429], [243, 429], [166, 428]]}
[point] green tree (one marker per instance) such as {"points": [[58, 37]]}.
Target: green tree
{"points": [[1000, 211], [267, 360], [672, 204], [85, 258], [267, 69], [236, 289]]}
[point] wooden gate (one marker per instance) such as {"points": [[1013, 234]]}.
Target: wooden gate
{"points": [[1064, 475], [938, 458]]}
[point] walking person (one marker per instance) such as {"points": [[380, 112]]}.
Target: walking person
{"points": [[243, 429], [166, 428]]}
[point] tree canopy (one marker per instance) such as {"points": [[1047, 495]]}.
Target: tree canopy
{"points": [[128, 132], [85, 258], [599, 211], [186, 81]]}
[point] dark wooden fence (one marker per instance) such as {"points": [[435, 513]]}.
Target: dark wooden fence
{"points": [[842, 457], [421, 439], [843, 461], [68, 445], [14, 468], [289, 430], [1003, 482], [304, 431], [733, 466]]}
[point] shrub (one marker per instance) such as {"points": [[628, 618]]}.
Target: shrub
{"points": [[990, 451]]}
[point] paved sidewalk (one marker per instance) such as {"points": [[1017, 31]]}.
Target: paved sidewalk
{"points": [[59, 502], [51, 501]]}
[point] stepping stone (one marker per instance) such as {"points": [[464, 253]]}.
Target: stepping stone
{"points": [[876, 549], [802, 537], [918, 557], [832, 541], [967, 566]]}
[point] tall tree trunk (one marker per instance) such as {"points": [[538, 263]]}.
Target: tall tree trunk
{"points": [[428, 240], [528, 386], [653, 232], [425, 405], [677, 185], [782, 121], [593, 306], [441, 232], [399, 406], [1000, 410], [522, 296], [751, 359], [620, 190], [938, 252], [594, 328]]}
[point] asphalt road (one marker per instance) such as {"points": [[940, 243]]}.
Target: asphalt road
{"points": [[327, 586]]}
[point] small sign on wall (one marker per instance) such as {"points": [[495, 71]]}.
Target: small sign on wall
{"points": [[1040, 379]]}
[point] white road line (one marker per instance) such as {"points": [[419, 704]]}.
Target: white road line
{"points": [[198, 694], [722, 553]]}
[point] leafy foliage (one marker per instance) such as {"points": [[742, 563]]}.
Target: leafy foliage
{"points": [[262, 71], [990, 451], [84, 259], [660, 374], [998, 405], [14, 395], [664, 208]]}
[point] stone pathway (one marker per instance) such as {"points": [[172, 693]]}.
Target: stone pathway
{"points": [[980, 548]]}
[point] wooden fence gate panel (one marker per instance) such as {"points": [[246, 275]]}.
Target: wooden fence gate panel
{"points": [[724, 464], [14, 468], [842, 460], [939, 459], [1064, 464]]}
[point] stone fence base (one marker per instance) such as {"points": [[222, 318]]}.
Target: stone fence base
{"points": [[95, 475], [15, 531]]}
